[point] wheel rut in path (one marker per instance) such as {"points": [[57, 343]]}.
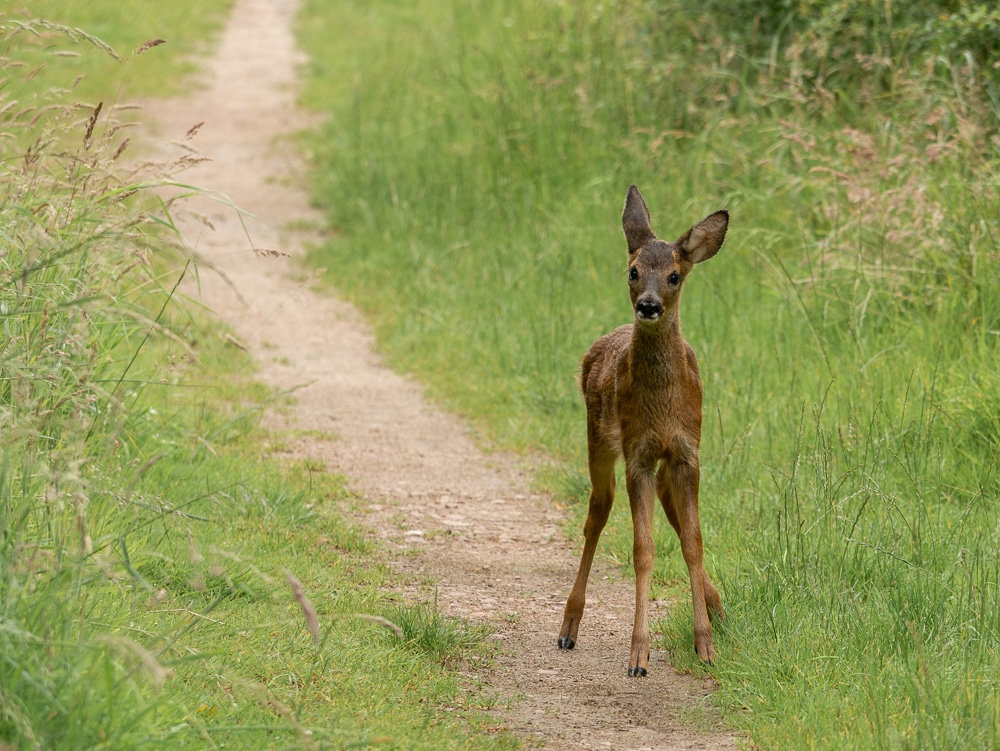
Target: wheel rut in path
{"points": [[466, 521]]}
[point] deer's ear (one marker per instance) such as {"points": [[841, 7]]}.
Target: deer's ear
{"points": [[704, 239], [635, 221]]}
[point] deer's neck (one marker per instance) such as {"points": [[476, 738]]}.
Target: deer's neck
{"points": [[657, 351]]}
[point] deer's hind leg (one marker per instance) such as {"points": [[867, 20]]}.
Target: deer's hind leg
{"points": [[677, 487], [602, 496]]}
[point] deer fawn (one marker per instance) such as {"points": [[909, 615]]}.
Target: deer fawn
{"points": [[643, 395]]}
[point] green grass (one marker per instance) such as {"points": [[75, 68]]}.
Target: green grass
{"points": [[473, 171], [102, 56], [149, 534]]}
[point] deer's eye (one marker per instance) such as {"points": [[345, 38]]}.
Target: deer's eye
{"points": [[674, 279], [633, 274]]}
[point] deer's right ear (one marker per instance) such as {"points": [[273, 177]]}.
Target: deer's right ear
{"points": [[635, 221]]}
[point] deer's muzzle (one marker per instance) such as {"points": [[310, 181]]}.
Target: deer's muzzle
{"points": [[648, 310]]}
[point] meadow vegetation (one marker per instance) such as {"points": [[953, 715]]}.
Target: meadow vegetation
{"points": [[473, 170], [165, 581], [56, 43]]}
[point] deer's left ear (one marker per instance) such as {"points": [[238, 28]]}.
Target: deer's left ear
{"points": [[704, 239]]}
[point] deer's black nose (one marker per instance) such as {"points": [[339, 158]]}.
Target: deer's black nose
{"points": [[648, 310]]}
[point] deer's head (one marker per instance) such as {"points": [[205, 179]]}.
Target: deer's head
{"points": [[657, 269]]}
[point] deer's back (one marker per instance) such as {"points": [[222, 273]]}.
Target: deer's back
{"points": [[599, 382]]}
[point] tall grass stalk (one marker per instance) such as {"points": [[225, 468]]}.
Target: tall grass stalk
{"points": [[81, 267]]}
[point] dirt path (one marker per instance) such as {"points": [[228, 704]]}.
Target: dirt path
{"points": [[493, 549]]}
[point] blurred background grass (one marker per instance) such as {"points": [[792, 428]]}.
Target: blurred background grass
{"points": [[473, 170], [57, 57]]}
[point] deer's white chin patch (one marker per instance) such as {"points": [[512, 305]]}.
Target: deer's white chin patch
{"points": [[647, 319]]}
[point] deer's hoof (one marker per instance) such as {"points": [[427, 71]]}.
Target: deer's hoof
{"points": [[637, 672], [566, 643], [710, 663]]}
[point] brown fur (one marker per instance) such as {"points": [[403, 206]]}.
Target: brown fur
{"points": [[643, 393]]}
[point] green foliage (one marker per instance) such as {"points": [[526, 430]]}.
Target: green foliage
{"points": [[56, 42], [426, 630], [146, 536], [79, 305], [473, 171], [837, 44]]}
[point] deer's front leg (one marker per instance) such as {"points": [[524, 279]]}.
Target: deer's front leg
{"points": [[642, 498]]}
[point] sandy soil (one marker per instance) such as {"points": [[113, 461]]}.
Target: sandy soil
{"points": [[460, 523]]}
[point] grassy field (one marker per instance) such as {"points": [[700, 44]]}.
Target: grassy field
{"points": [[165, 582], [473, 171], [103, 50]]}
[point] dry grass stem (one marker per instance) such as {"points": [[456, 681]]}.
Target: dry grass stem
{"points": [[383, 622], [305, 604], [124, 645], [230, 339], [91, 123], [149, 45]]}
